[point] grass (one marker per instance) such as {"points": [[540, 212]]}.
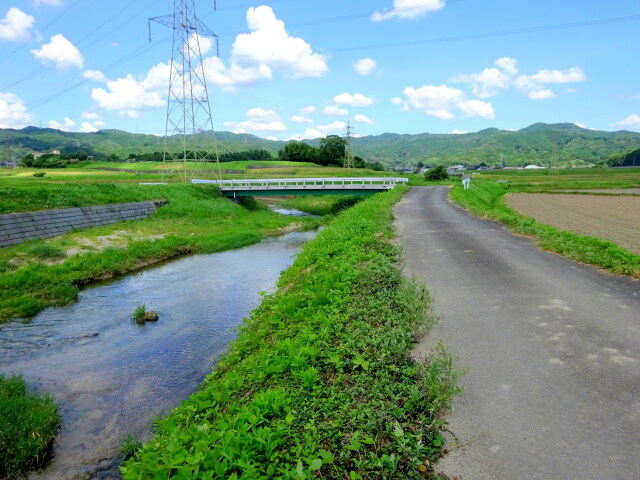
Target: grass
{"points": [[319, 383], [139, 313], [28, 424], [45, 251], [487, 199], [194, 221], [321, 205]]}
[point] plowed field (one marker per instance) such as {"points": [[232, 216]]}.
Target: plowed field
{"points": [[612, 218]]}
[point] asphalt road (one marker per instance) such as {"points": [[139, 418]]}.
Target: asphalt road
{"points": [[552, 347]]}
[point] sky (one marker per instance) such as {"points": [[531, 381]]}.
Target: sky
{"points": [[293, 69]]}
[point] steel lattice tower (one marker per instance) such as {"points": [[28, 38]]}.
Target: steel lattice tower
{"points": [[188, 107], [348, 152]]}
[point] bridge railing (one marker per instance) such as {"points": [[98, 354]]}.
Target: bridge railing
{"points": [[310, 183]]}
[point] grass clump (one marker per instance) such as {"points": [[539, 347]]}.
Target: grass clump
{"points": [[139, 313], [319, 383], [321, 205], [130, 447], [28, 424], [487, 199], [45, 251]]}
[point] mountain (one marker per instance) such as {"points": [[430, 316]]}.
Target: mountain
{"points": [[559, 144]]}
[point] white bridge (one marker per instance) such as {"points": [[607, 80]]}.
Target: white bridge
{"points": [[305, 186]]}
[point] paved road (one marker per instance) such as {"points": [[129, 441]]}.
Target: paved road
{"points": [[553, 347]]}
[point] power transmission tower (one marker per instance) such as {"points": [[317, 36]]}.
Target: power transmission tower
{"points": [[188, 108], [348, 152]]}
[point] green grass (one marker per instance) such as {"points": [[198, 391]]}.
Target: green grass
{"points": [[139, 313], [319, 383], [194, 221], [28, 424], [487, 199], [321, 205]]}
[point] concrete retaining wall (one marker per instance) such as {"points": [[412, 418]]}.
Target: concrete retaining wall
{"points": [[19, 227]]}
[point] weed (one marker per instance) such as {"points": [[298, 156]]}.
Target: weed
{"points": [[28, 424], [319, 383], [45, 251], [39, 174], [139, 313], [129, 447]]}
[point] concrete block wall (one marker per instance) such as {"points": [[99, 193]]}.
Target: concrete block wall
{"points": [[19, 227]]}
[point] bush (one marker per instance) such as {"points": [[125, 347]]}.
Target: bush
{"points": [[39, 174], [437, 173], [28, 424]]}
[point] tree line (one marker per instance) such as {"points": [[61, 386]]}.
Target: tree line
{"points": [[332, 151]]}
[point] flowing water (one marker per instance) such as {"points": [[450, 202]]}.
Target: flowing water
{"points": [[111, 376]]}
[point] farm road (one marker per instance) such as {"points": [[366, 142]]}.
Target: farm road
{"points": [[552, 347]]}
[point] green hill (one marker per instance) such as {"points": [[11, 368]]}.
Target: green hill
{"points": [[559, 144]]}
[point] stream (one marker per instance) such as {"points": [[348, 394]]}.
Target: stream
{"points": [[110, 376]]}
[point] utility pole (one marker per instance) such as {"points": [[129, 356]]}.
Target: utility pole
{"points": [[188, 107], [348, 153]]}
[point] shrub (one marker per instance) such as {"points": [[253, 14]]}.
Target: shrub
{"points": [[39, 174], [28, 424], [437, 173]]}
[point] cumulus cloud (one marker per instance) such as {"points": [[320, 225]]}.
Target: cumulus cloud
{"points": [[13, 112], [455, 131], [86, 127], [94, 75], [632, 122], [60, 52], [408, 9], [582, 125], [308, 110], [301, 119], [258, 120], [320, 131], [269, 45], [67, 125], [334, 110], [308, 134], [15, 25], [363, 119], [365, 66], [130, 95], [490, 81], [357, 100], [90, 116], [438, 101], [534, 86]]}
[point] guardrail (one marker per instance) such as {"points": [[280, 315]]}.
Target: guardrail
{"points": [[365, 183]]}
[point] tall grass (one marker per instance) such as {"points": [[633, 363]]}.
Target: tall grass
{"points": [[28, 424], [487, 199], [319, 383]]}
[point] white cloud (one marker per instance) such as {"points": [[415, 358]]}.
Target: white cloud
{"points": [[301, 119], [357, 100], [53, 3], [365, 66], [259, 120], [15, 25], [272, 138], [534, 86], [129, 95], [320, 131], [309, 134], [99, 124], [439, 101], [632, 121], [67, 125], [94, 75], [363, 119], [308, 110], [269, 45], [572, 90], [582, 125], [13, 112], [455, 131], [59, 51], [334, 110], [90, 116], [205, 43], [227, 79], [86, 127], [490, 81], [408, 9]]}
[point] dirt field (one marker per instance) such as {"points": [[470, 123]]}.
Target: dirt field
{"points": [[614, 218]]}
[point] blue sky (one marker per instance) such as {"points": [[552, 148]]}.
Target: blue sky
{"points": [[303, 69]]}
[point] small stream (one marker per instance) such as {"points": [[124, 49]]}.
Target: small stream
{"points": [[111, 376]]}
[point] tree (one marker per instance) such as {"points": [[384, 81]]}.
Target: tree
{"points": [[298, 152], [332, 149], [420, 164], [437, 173], [81, 155]]}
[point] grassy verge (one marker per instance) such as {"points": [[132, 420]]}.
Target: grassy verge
{"points": [[28, 425], [38, 274], [321, 205], [319, 383], [487, 199]]}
